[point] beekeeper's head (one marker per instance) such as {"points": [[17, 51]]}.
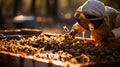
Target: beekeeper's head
{"points": [[92, 11]]}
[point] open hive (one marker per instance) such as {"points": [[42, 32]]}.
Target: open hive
{"points": [[48, 50]]}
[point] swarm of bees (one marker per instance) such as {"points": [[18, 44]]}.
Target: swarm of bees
{"points": [[62, 48]]}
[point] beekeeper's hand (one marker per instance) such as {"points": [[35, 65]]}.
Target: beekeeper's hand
{"points": [[72, 33], [76, 29]]}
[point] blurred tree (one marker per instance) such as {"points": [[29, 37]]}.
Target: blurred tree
{"points": [[52, 7], [33, 7], [1, 16], [17, 5]]}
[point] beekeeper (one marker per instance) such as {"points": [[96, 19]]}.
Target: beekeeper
{"points": [[103, 21]]}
